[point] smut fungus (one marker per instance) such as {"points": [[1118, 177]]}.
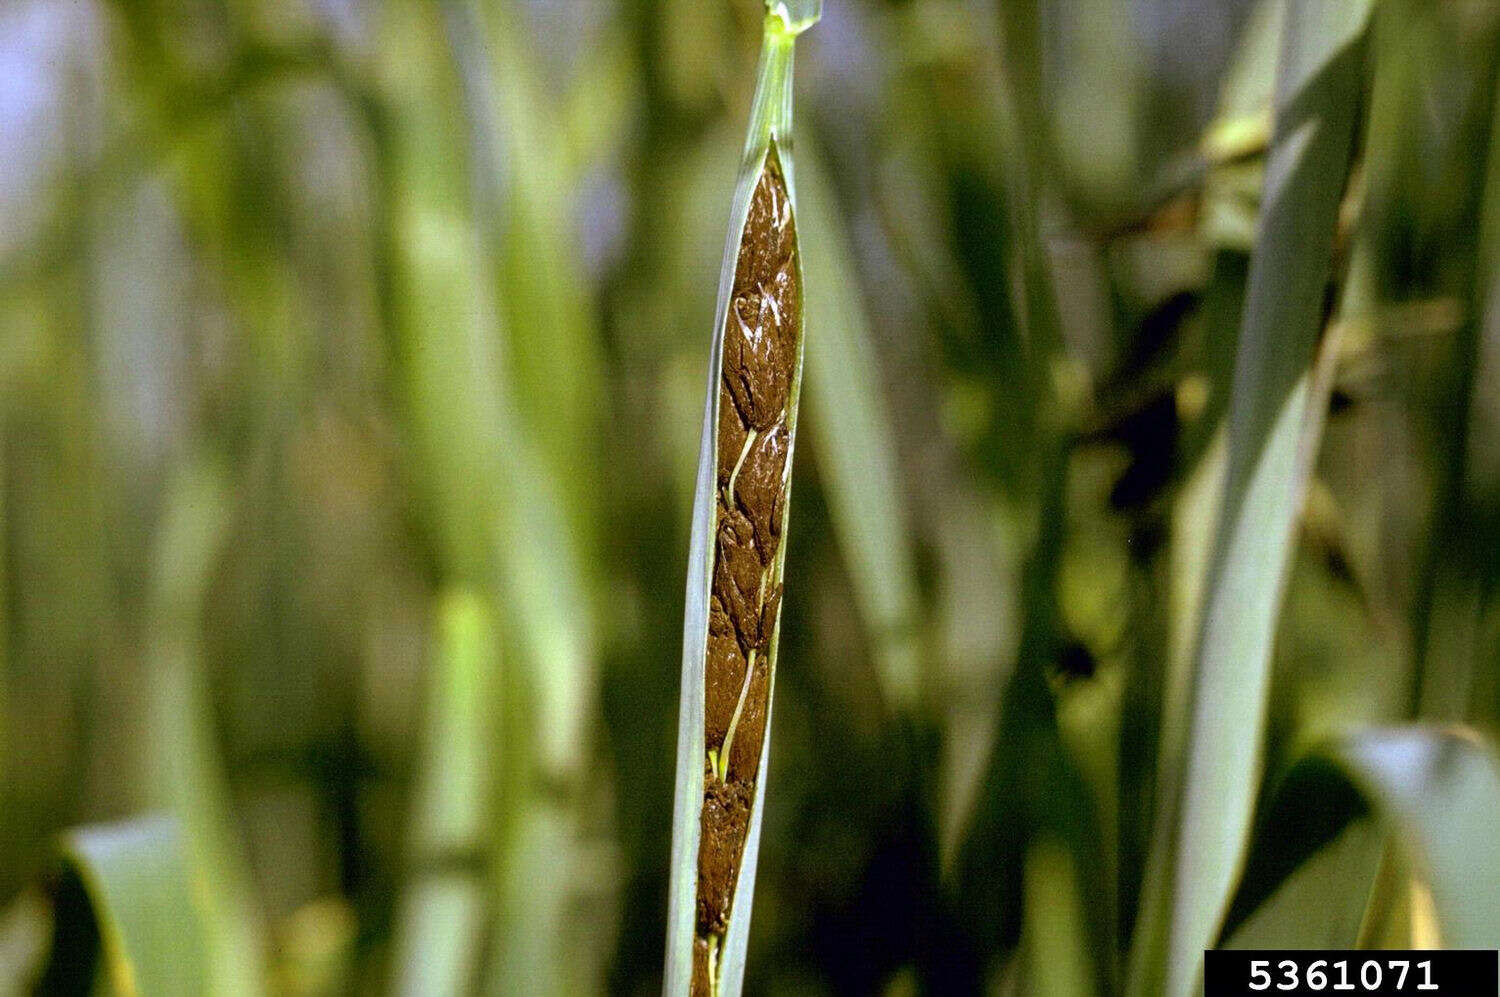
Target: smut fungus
{"points": [[761, 343]]}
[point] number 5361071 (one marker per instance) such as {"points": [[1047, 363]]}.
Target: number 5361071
{"points": [[1341, 976]]}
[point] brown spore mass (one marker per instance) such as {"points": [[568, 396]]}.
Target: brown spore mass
{"points": [[762, 338], [726, 805], [700, 965]]}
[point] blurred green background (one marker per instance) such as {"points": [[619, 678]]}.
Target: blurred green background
{"points": [[351, 366]]}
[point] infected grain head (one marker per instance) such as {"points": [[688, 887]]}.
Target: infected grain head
{"points": [[761, 350]]}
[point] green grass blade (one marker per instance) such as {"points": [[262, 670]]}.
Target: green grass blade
{"points": [[1439, 794], [1275, 418], [1322, 903], [1434, 796], [147, 903], [854, 444]]}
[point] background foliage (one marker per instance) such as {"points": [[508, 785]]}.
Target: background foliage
{"points": [[350, 368]]}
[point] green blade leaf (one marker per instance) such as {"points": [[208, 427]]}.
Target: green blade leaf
{"points": [[1434, 794], [1312, 807], [1321, 904], [854, 444], [1274, 423], [138, 883], [1439, 794]]}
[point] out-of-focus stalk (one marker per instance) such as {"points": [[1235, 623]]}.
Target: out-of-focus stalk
{"points": [[442, 925], [188, 775]]}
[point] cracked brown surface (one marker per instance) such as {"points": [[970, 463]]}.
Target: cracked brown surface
{"points": [[761, 333]]}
